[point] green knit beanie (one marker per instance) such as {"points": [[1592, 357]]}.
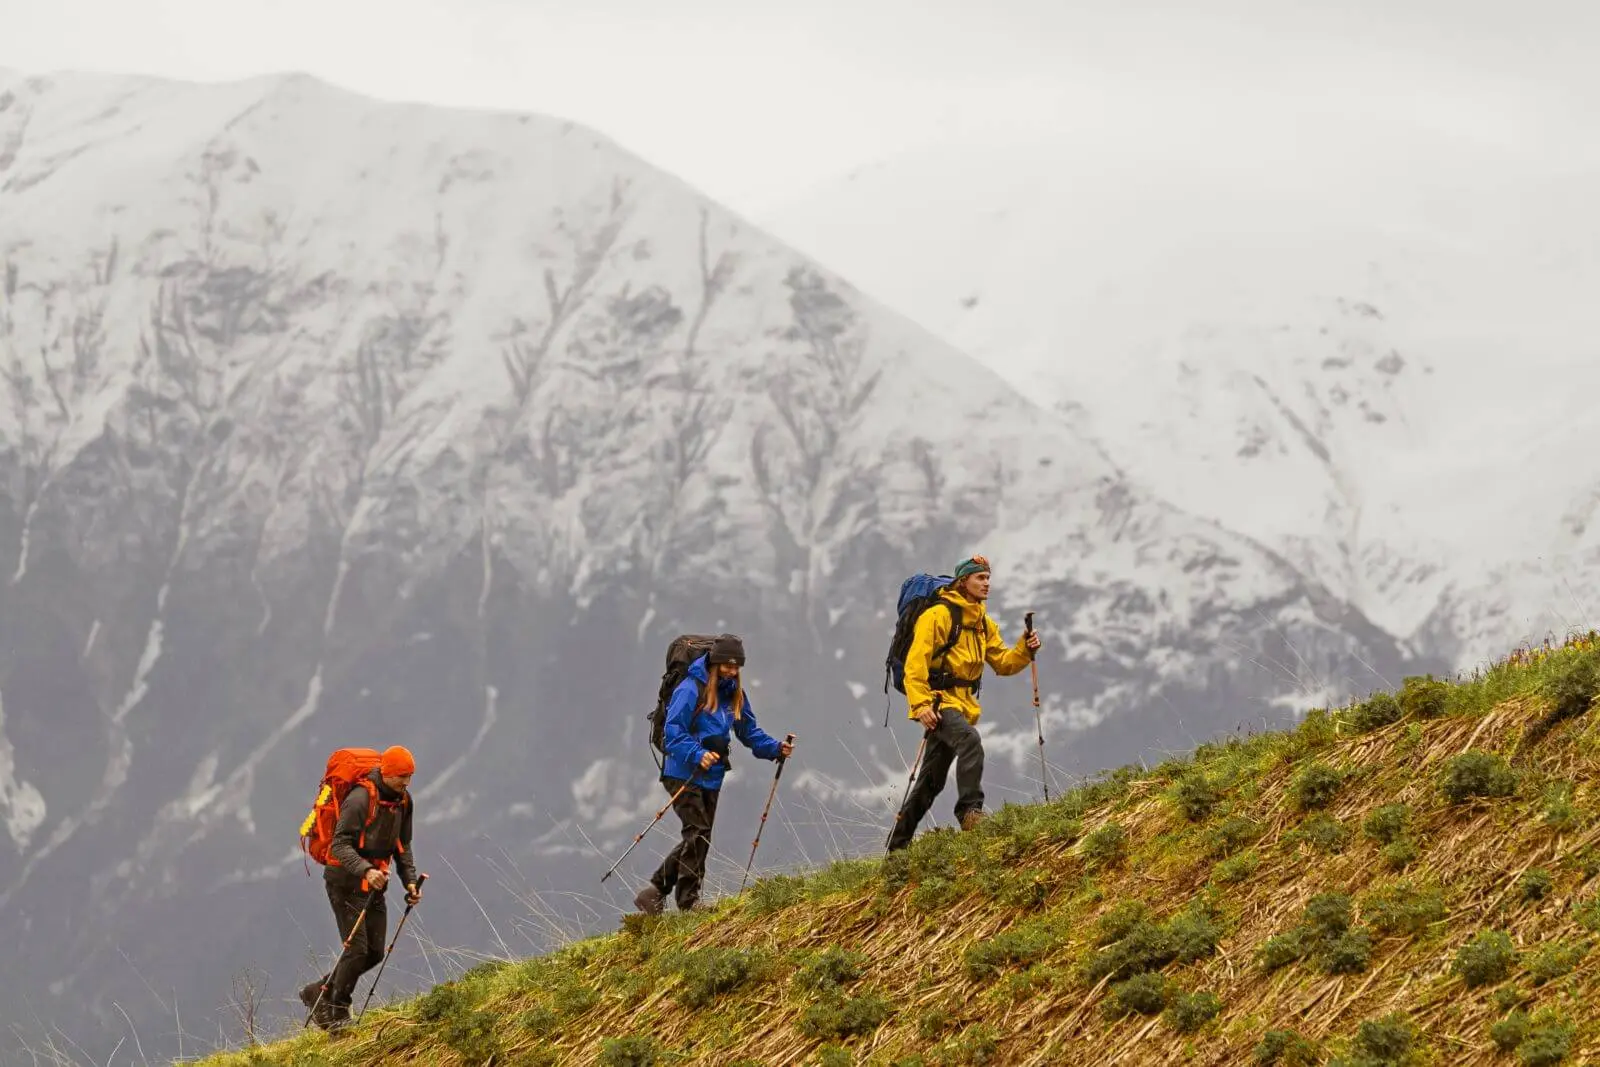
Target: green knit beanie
{"points": [[974, 565]]}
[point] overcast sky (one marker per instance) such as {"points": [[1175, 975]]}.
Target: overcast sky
{"points": [[753, 100]]}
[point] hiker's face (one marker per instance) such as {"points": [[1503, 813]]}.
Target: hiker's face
{"points": [[727, 670], [399, 783], [978, 585]]}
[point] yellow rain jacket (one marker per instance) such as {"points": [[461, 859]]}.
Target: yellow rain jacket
{"points": [[978, 644]]}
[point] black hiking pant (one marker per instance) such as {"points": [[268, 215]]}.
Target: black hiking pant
{"points": [[953, 740], [684, 869], [366, 948]]}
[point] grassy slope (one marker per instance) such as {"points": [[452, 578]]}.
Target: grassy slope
{"points": [[1387, 881]]}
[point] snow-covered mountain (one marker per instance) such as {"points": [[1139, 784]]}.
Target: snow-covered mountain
{"points": [[329, 421], [1369, 345]]}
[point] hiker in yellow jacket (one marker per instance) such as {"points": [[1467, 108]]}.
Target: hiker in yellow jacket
{"points": [[943, 696]]}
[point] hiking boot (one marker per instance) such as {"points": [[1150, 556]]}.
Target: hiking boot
{"points": [[317, 1004], [972, 818], [648, 900]]}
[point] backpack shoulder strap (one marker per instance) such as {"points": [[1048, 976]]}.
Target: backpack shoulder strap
{"points": [[366, 783], [955, 628]]}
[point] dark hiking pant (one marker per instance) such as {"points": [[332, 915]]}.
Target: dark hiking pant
{"points": [[953, 740], [684, 869], [366, 948]]}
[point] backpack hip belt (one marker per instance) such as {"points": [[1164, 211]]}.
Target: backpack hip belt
{"points": [[943, 680]]}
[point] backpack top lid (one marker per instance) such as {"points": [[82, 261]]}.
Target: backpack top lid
{"points": [[918, 586]]}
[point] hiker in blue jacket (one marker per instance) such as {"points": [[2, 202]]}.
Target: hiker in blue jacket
{"points": [[695, 733]]}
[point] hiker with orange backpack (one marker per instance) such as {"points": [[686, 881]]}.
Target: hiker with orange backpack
{"points": [[356, 836], [706, 707], [949, 624]]}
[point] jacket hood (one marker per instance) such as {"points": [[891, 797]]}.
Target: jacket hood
{"points": [[969, 607], [701, 673]]}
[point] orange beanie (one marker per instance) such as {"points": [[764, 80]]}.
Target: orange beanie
{"points": [[397, 761]]}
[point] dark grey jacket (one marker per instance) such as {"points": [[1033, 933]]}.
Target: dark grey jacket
{"points": [[357, 845]]}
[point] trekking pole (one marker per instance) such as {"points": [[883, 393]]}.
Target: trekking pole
{"points": [[653, 821], [915, 763], [400, 926], [770, 794], [360, 917], [1038, 721]]}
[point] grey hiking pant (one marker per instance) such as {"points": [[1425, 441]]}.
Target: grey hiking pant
{"points": [[954, 740]]}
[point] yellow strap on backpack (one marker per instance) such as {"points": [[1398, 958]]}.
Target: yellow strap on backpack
{"points": [[311, 818]]}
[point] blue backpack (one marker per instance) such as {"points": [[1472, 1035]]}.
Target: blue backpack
{"points": [[918, 593]]}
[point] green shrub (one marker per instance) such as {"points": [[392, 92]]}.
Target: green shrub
{"points": [[1510, 1032], [1196, 796], [1322, 832], [1423, 697], [834, 1056], [1188, 1012], [1386, 1040], [1398, 855], [1507, 997], [1236, 869], [1485, 960], [1569, 689], [635, 1050], [1190, 935], [1232, 834], [830, 969], [1555, 960], [1024, 943], [1280, 950], [1477, 774], [1403, 908], [1328, 914], [1542, 1041], [1104, 846], [1286, 1048], [1323, 933], [835, 1016], [1349, 953], [1195, 933], [1559, 813], [1315, 787], [442, 1002], [1143, 994], [1548, 1040], [539, 1020], [474, 1036], [1376, 711], [710, 972], [776, 893], [1535, 884], [1587, 914], [1387, 824], [1118, 921]]}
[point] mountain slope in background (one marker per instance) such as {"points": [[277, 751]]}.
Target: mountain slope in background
{"points": [[1365, 343], [333, 422]]}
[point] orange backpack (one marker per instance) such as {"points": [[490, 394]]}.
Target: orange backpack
{"points": [[346, 767]]}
